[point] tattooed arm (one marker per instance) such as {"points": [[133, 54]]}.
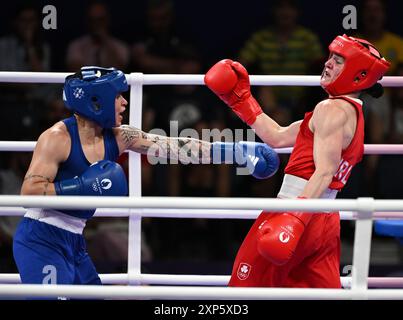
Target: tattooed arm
{"points": [[185, 150], [51, 149]]}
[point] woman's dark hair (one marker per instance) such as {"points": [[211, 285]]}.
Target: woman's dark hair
{"points": [[375, 91]]}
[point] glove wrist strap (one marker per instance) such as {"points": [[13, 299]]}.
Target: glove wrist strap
{"points": [[304, 217], [248, 110], [68, 187]]}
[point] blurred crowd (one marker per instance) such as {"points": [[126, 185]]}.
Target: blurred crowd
{"points": [[283, 47]]}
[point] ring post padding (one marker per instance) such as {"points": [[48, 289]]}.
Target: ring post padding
{"points": [[134, 246], [362, 245]]}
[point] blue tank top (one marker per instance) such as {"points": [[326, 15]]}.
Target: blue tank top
{"points": [[77, 163]]}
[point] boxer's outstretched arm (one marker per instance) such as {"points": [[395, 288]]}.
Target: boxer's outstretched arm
{"points": [[181, 148], [273, 134], [261, 161]]}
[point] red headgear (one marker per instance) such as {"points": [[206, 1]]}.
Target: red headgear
{"points": [[363, 65]]}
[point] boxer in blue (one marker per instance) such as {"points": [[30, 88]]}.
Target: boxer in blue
{"points": [[77, 156]]}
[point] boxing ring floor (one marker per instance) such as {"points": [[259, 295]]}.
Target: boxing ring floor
{"points": [[136, 285]]}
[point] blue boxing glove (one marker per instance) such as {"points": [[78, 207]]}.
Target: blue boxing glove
{"points": [[102, 178], [261, 160]]}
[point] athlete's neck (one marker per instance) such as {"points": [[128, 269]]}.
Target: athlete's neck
{"points": [[353, 95], [88, 128]]}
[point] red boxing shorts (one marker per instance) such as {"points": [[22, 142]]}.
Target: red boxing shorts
{"points": [[315, 263]]}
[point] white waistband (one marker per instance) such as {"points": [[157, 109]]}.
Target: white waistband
{"points": [[57, 219], [293, 186]]}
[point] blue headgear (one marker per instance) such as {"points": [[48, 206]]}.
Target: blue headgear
{"points": [[91, 93]]}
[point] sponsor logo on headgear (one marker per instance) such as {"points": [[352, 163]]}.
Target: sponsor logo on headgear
{"points": [[243, 271], [78, 93], [339, 43]]}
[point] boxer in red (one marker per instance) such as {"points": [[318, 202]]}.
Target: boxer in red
{"points": [[296, 249]]}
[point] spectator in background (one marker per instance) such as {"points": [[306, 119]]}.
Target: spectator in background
{"points": [[97, 47], [23, 50], [285, 48], [389, 171], [161, 50], [197, 239], [372, 27], [192, 108], [11, 177], [185, 104], [378, 111], [157, 51], [188, 107], [54, 109]]}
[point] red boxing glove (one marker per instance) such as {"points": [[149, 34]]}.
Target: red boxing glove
{"points": [[230, 81], [278, 237]]}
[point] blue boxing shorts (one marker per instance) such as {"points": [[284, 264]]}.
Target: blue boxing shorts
{"points": [[47, 254]]}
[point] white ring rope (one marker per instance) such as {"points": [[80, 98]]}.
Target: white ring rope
{"points": [[192, 213], [181, 79], [269, 204], [190, 293], [368, 148], [201, 280]]}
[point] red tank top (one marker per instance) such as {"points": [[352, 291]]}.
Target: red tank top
{"points": [[301, 163]]}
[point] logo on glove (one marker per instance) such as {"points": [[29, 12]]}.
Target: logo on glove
{"points": [[106, 184], [243, 271], [284, 237]]}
